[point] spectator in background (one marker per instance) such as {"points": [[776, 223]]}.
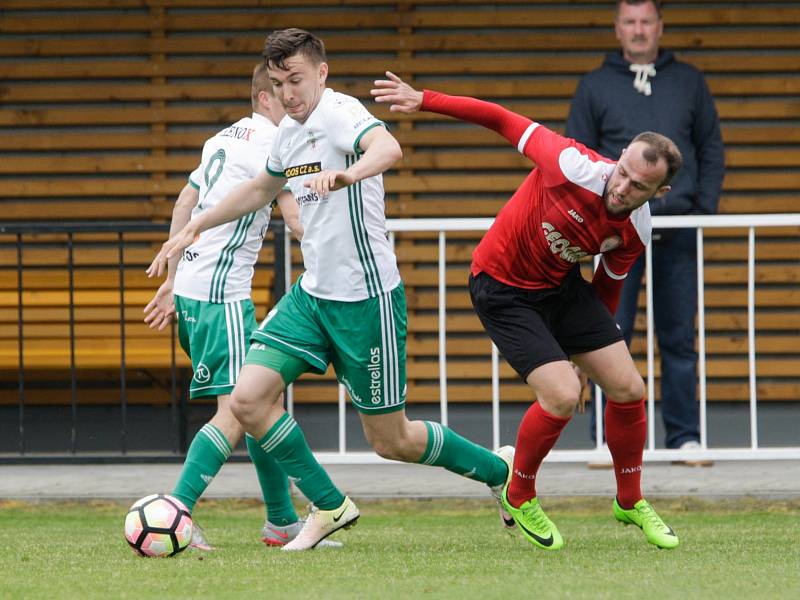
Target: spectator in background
{"points": [[642, 87]]}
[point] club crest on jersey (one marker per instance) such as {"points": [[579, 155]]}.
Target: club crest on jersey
{"points": [[312, 140], [610, 243], [560, 245], [306, 169]]}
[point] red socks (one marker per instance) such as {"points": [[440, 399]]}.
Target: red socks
{"points": [[626, 431], [537, 434]]}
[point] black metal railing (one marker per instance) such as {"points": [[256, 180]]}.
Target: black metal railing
{"points": [[17, 239]]}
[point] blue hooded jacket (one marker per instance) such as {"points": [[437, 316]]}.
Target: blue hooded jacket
{"points": [[607, 112]]}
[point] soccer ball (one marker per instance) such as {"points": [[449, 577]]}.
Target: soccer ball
{"points": [[158, 525]]}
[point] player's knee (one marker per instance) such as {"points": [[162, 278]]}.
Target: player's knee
{"points": [[632, 391], [561, 400], [242, 405]]}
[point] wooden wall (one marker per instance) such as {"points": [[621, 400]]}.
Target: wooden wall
{"points": [[105, 105]]}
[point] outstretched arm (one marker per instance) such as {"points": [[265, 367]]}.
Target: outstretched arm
{"points": [[160, 311], [246, 198], [403, 98]]}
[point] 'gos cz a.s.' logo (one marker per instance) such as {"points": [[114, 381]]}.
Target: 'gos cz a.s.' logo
{"points": [[306, 169]]}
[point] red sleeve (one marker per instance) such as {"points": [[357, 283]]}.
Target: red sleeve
{"points": [[611, 273], [541, 145], [487, 114]]}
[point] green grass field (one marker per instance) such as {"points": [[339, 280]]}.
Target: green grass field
{"points": [[411, 549]]}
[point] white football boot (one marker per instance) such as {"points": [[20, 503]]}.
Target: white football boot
{"points": [[321, 523], [280, 535]]}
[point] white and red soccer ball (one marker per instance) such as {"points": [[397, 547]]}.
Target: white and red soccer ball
{"points": [[158, 525]]}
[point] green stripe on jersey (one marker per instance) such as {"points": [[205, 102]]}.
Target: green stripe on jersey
{"points": [[365, 254], [371, 255], [225, 262]]}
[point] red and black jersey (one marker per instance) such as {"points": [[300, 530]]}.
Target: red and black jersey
{"points": [[557, 216]]}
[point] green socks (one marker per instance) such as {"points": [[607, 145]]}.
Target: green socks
{"points": [[286, 443], [457, 454], [274, 485], [208, 452]]}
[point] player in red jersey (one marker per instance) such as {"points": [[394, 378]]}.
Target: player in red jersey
{"points": [[527, 289]]}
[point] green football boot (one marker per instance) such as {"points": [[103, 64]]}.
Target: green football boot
{"points": [[644, 516], [537, 528]]}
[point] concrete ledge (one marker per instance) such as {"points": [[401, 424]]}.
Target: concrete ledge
{"points": [[774, 479]]}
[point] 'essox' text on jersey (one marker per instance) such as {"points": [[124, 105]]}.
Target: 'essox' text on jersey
{"points": [[560, 245]]}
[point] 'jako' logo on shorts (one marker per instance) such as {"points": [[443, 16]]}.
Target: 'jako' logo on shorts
{"points": [[202, 374]]}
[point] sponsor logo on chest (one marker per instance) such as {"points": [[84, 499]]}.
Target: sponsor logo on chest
{"points": [[561, 246], [306, 169]]}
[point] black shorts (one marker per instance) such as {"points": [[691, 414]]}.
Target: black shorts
{"points": [[534, 327]]}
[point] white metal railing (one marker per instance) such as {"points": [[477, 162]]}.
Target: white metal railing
{"points": [[700, 222]]}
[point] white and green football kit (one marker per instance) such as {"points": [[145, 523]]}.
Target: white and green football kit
{"points": [[213, 279], [348, 308]]}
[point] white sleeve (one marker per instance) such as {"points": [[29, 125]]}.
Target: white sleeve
{"points": [[274, 165], [196, 177], [348, 121]]}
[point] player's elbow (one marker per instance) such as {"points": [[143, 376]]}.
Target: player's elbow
{"points": [[393, 151]]}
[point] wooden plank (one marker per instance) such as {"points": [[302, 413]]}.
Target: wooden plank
{"points": [[541, 111], [740, 86], [116, 4], [91, 254], [80, 188], [784, 62], [108, 208], [601, 39], [773, 320], [714, 274], [739, 133], [408, 252], [489, 183], [106, 140], [109, 297], [128, 163], [360, 20], [480, 346], [92, 322], [714, 298], [151, 354]]}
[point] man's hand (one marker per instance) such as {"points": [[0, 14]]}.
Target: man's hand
{"points": [[585, 391], [172, 247], [160, 311], [329, 181], [400, 96]]}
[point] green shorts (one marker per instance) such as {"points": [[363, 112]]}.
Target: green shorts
{"points": [[365, 341], [214, 336]]}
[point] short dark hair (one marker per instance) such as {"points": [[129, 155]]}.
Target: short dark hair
{"points": [[285, 43], [660, 146], [656, 3], [260, 83]]}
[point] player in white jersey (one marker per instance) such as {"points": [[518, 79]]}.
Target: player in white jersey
{"points": [[208, 292], [348, 308]]}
